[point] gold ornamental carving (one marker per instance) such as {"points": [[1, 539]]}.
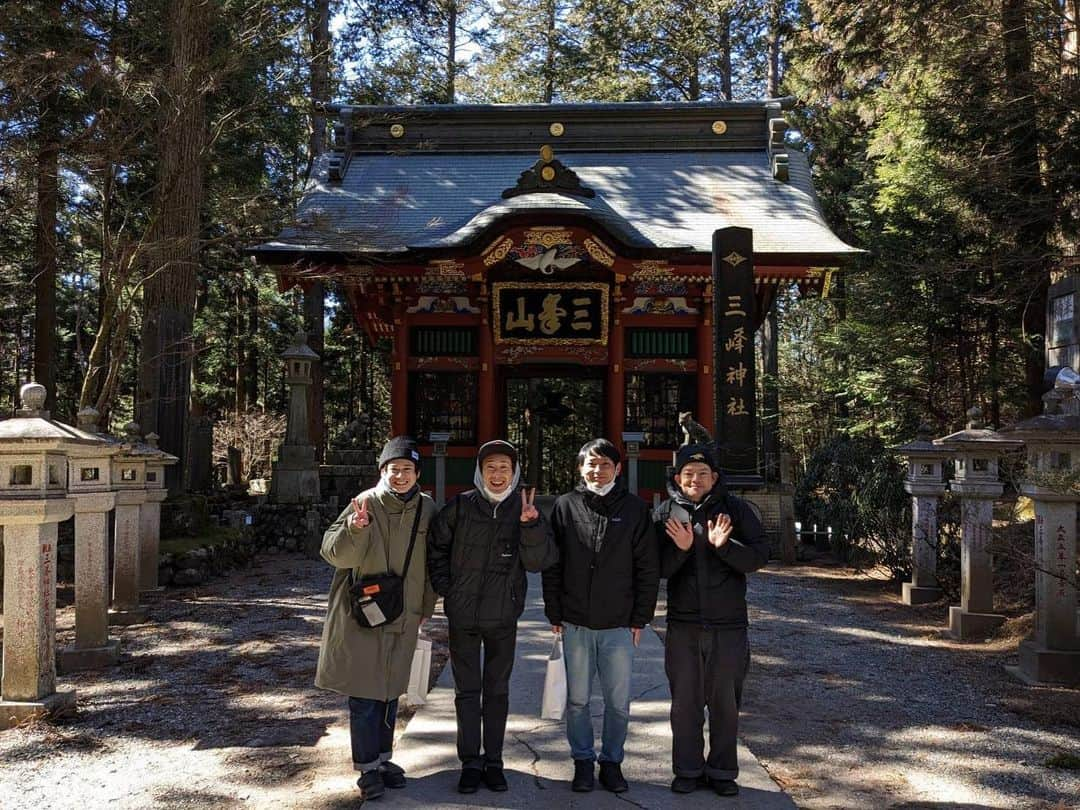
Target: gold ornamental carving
{"points": [[397, 131], [734, 259], [719, 127], [498, 250], [600, 252], [556, 129], [548, 237]]}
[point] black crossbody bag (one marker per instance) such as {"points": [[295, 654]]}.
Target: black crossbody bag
{"points": [[378, 599]]}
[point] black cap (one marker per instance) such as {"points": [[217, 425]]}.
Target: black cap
{"points": [[695, 453], [497, 447], [400, 447]]}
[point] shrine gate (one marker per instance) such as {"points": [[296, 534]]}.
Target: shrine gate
{"points": [[549, 270]]}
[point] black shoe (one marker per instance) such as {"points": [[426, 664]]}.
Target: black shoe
{"points": [[611, 777], [583, 776], [371, 785], [495, 779], [470, 780], [685, 784], [724, 787], [393, 776]]}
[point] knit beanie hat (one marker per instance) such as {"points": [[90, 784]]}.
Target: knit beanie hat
{"points": [[695, 453], [399, 447]]}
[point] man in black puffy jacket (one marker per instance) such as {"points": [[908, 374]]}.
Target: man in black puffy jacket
{"points": [[479, 547], [709, 541], [599, 596]]}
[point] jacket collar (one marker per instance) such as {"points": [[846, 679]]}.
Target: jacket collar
{"points": [[716, 495], [604, 502]]}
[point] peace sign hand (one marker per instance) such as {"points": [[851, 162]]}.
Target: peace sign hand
{"points": [[529, 512], [681, 533], [720, 530], [360, 518]]}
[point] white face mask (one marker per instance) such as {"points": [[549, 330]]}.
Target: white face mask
{"points": [[596, 489]]}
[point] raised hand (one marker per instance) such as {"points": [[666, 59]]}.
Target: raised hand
{"points": [[529, 512], [360, 518], [680, 532], [720, 530]]}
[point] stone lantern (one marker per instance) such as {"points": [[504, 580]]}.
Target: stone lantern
{"points": [[925, 483], [90, 482], [33, 500], [632, 441], [977, 450], [150, 512], [438, 450], [296, 472], [129, 483], [1052, 440]]}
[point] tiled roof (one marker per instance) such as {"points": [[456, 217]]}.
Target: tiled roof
{"points": [[393, 203]]}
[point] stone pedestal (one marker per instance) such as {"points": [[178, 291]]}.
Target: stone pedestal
{"points": [[126, 568], [974, 618], [1052, 655], [923, 587], [150, 539], [93, 649], [28, 686]]}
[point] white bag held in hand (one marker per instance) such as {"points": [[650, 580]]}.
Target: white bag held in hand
{"points": [[554, 703], [420, 673]]}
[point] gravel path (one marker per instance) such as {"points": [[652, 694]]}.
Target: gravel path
{"points": [[856, 701], [853, 701]]}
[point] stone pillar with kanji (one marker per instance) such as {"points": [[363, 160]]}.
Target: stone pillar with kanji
{"points": [[977, 450], [129, 482], [90, 482], [33, 500], [1052, 654]]}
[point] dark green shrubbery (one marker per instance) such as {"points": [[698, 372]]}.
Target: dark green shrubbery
{"points": [[856, 486]]}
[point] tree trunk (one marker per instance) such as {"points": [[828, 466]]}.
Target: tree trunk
{"points": [[1021, 133], [320, 76], [725, 54], [451, 52], [772, 82], [48, 157], [251, 360], [172, 255], [549, 56]]}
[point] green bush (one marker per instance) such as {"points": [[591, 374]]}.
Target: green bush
{"points": [[856, 486]]}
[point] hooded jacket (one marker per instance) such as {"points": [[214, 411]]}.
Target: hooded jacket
{"points": [[374, 662], [707, 585], [478, 553], [608, 571]]}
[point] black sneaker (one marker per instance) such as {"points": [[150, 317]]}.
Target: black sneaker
{"points": [[611, 777], [685, 784], [495, 779], [371, 785], [393, 776], [583, 776], [470, 780], [725, 787]]}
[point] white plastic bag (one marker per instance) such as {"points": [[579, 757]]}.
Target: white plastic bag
{"points": [[553, 706], [420, 673]]}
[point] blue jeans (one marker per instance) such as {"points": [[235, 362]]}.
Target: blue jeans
{"points": [[371, 730], [609, 654]]}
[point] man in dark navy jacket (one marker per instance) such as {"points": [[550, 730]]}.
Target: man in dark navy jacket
{"points": [[709, 541], [600, 596]]}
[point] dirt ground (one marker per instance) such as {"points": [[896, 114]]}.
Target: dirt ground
{"points": [[853, 701]]}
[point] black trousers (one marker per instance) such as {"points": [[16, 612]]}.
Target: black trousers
{"points": [[706, 667], [482, 688]]}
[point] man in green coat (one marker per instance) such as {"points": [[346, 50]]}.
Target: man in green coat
{"points": [[370, 665]]}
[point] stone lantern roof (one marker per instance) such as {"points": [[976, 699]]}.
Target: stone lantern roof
{"points": [[299, 350], [978, 438], [923, 445], [32, 425], [1060, 420]]}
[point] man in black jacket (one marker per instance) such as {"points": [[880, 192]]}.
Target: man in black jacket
{"points": [[599, 596], [479, 547], [709, 541]]}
